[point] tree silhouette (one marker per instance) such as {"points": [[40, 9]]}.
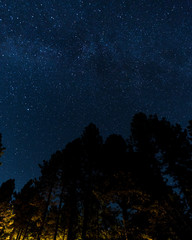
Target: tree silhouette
{"points": [[164, 149], [72, 167], [116, 189], [91, 144], [46, 184], [26, 207]]}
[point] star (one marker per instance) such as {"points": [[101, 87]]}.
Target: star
{"points": [[65, 64]]}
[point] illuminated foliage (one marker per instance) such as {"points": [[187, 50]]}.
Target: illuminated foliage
{"points": [[6, 220], [6, 209]]}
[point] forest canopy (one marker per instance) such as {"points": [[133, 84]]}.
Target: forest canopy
{"points": [[113, 189]]}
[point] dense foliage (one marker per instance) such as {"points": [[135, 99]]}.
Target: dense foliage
{"points": [[140, 188]]}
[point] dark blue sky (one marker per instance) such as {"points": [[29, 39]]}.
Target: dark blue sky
{"points": [[66, 63]]}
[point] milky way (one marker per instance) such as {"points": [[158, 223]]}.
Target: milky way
{"points": [[64, 64]]}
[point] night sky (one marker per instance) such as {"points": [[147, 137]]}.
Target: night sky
{"points": [[66, 63]]}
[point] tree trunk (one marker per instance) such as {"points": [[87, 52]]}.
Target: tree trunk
{"points": [[65, 234], [123, 205], [59, 212], [69, 230], [19, 234], [85, 219], [12, 234], [25, 234], [70, 233], [125, 228], [45, 214]]}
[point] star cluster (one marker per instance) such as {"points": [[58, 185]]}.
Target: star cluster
{"points": [[64, 64]]}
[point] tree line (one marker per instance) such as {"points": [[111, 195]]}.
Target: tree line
{"points": [[117, 189]]}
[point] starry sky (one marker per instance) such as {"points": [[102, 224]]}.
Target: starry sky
{"points": [[66, 63]]}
